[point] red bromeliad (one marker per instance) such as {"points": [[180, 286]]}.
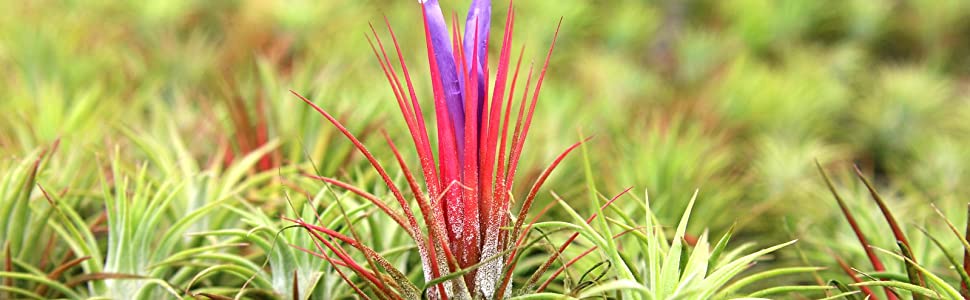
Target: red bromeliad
{"points": [[466, 199]]}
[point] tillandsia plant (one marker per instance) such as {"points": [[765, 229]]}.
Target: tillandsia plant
{"points": [[650, 264], [466, 200], [916, 280]]}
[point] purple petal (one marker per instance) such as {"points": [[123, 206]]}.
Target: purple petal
{"points": [[479, 16], [441, 42]]}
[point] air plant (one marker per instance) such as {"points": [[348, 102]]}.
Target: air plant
{"points": [[918, 280], [649, 265], [466, 201]]}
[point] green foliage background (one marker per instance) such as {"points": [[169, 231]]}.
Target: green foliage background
{"points": [[736, 98]]}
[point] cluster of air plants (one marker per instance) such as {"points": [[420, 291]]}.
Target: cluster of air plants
{"points": [[470, 241], [138, 243], [897, 267], [181, 153]]}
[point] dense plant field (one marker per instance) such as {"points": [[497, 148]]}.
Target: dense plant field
{"points": [[691, 149]]}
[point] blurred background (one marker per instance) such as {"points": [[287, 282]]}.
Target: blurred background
{"points": [[736, 98]]}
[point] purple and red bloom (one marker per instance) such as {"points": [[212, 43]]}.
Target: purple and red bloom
{"points": [[465, 201]]}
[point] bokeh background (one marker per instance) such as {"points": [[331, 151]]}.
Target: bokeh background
{"points": [[736, 98]]}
